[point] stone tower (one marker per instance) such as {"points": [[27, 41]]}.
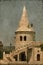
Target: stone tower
{"points": [[25, 33]]}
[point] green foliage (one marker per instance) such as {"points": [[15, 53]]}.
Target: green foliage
{"points": [[41, 47], [1, 55]]}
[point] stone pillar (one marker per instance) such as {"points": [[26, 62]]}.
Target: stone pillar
{"points": [[18, 57]]}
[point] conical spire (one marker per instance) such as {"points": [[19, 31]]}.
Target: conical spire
{"points": [[24, 19], [24, 23]]}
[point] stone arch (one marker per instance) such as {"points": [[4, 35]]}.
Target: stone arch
{"points": [[22, 56]]}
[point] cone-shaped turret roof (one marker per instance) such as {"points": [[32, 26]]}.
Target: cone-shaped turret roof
{"points": [[24, 19], [24, 23]]}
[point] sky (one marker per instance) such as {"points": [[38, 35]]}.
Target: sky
{"points": [[10, 14]]}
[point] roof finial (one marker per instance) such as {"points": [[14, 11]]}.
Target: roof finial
{"points": [[24, 9]]}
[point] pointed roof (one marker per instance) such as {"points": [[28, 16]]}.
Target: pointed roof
{"points": [[24, 19], [24, 23]]}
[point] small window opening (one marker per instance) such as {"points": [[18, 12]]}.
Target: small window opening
{"points": [[38, 57], [20, 38], [24, 38]]}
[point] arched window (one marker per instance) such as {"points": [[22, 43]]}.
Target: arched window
{"points": [[38, 57], [20, 38], [22, 56], [24, 38]]}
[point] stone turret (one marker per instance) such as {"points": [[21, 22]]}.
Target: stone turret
{"points": [[25, 33]]}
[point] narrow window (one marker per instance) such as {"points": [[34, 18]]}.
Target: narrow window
{"points": [[38, 57], [20, 38], [24, 38]]}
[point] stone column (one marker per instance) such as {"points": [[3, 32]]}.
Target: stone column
{"points": [[18, 57]]}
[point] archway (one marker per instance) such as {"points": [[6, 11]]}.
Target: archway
{"points": [[22, 56]]}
